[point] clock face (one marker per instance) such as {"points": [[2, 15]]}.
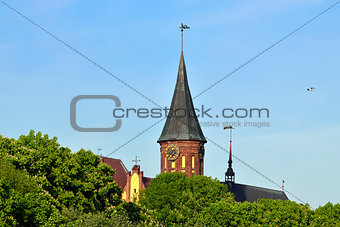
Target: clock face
{"points": [[172, 152]]}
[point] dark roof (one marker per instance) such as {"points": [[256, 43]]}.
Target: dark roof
{"points": [[230, 172], [121, 171], [146, 181], [183, 124], [250, 193]]}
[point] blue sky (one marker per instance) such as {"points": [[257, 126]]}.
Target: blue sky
{"points": [[139, 42]]}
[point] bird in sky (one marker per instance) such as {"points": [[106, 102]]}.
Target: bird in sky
{"points": [[311, 89]]}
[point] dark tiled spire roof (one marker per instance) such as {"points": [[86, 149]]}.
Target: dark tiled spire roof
{"points": [[182, 123]]}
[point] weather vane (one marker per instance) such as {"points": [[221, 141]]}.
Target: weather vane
{"points": [[183, 26], [231, 128]]}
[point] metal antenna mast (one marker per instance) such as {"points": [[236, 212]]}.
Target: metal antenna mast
{"points": [[182, 29]]}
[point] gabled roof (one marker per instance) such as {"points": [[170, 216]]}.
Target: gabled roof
{"points": [[121, 172], [182, 123], [250, 193], [146, 181]]}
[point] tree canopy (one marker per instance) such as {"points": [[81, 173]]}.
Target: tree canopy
{"points": [[36, 169], [176, 198], [22, 200], [45, 184]]}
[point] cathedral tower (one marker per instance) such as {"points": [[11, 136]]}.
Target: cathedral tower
{"points": [[182, 140]]}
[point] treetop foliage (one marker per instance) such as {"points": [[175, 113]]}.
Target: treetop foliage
{"points": [[37, 168], [45, 184]]}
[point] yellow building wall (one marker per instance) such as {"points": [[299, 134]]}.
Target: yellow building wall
{"points": [[134, 190], [124, 195]]}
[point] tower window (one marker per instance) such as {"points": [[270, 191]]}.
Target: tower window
{"points": [[134, 190], [193, 162], [183, 162]]}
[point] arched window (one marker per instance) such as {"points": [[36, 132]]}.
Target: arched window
{"points": [[193, 162], [183, 162], [165, 161], [173, 164]]}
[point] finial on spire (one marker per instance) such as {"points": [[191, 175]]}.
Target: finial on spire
{"points": [[136, 161], [230, 175], [183, 26]]}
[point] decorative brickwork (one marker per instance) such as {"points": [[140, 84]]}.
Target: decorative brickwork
{"points": [[188, 149]]}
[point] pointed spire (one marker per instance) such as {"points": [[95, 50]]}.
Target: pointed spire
{"points": [[181, 122], [229, 174], [230, 161]]}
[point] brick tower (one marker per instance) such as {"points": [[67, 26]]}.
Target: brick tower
{"points": [[182, 140]]}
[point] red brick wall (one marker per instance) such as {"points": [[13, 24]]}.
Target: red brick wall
{"points": [[188, 149]]}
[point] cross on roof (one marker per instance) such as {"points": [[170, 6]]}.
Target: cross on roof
{"points": [[136, 161]]}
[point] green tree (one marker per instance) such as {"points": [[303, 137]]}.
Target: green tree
{"points": [[174, 198], [78, 180], [44, 184], [75, 218], [262, 212], [22, 201], [41, 167], [328, 215]]}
